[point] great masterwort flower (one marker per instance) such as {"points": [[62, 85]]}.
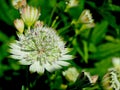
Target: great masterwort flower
{"points": [[41, 48], [111, 80]]}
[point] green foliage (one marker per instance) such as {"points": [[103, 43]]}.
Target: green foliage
{"points": [[93, 48]]}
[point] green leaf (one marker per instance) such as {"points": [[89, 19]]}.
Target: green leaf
{"points": [[108, 17], [77, 47], [106, 50], [113, 7], [3, 37], [99, 32], [85, 48], [8, 13], [92, 4]]}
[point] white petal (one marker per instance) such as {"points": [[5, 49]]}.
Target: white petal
{"points": [[17, 52], [49, 67], [116, 61], [56, 66], [21, 36], [16, 57], [25, 62], [66, 57], [66, 50], [14, 45], [62, 63], [35, 67], [40, 69]]}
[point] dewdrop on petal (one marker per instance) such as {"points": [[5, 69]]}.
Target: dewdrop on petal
{"points": [[19, 24], [85, 17], [42, 49], [111, 80], [29, 15], [71, 74], [18, 3]]}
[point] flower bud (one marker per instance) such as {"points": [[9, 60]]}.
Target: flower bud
{"points": [[19, 25], [85, 17], [29, 15], [18, 3], [71, 74], [38, 23]]}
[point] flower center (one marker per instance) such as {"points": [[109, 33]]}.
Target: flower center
{"points": [[41, 51]]}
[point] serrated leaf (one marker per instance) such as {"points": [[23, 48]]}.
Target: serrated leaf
{"points": [[99, 32]]}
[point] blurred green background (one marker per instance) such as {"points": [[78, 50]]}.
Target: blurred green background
{"points": [[93, 48]]}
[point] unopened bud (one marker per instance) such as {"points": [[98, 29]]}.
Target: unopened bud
{"points": [[39, 24], [19, 24], [29, 15], [18, 3], [71, 74], [94, 79]]}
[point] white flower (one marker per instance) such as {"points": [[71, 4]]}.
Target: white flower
{"points": [[85, 17], [71, 74], [41, 48]]}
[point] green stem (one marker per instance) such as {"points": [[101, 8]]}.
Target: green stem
{"points": [[29, 28], [52, 13]]}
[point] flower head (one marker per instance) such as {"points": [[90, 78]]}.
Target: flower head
{"points": [[29, 15], [41, 48], [111, 80]]}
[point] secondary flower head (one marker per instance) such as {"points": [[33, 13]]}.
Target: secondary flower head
{"points": [[111, 80], [29, 15], [41, 48], [85, 17]]}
